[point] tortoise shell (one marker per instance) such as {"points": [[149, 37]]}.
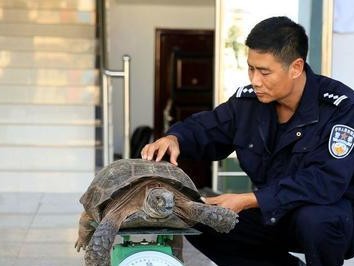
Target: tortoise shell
{"points": [[124, 173]]}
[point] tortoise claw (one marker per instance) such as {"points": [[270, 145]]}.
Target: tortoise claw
{"points": [[221, 219], [80, 244]]}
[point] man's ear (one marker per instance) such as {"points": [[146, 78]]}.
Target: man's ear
{"points": [[296, 68]]}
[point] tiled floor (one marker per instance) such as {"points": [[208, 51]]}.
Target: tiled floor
{"points": [[40, 229]]}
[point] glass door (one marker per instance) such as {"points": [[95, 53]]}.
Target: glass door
{"points": [[234, 20]]}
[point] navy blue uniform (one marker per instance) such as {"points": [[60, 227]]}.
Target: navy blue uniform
{"points": [[302, 170]]}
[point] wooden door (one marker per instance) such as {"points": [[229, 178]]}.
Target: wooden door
{"points": [[183, 85]]}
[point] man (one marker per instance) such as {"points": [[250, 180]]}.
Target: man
{"points": [[293, 134]]}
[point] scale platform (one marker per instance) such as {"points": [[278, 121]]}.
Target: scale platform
{"points": [[156, 252]]}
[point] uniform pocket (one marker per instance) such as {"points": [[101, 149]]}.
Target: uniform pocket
{"points": [[304, 145], [252, 145], [250, 154]]}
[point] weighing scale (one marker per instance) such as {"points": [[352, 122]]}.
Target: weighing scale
{"points": [[156, 252]]}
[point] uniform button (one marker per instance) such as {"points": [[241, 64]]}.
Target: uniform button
{"points": [[298, 134], [250, 145], [273, 220]]}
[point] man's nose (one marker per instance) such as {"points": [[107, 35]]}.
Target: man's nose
{"points": [[255, 79]]}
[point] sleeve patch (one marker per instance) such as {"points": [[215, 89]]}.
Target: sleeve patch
{"points": [[341, 141]]}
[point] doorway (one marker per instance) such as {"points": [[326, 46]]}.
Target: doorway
{"points": [[183, 85]]}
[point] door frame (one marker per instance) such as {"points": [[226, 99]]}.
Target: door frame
{"points": [[160, 95]]}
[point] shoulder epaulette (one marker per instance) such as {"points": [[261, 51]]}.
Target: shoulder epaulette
{"points": [[245, 92], [333, 98]]}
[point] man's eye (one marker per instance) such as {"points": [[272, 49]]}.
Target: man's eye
{"points": [[265, 73]]}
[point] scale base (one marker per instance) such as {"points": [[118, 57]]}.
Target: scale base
{"points": [[161, 244]]}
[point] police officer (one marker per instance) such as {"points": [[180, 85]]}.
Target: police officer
{"points": [[293, 132]]}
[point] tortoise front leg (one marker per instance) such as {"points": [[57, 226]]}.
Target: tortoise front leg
{"points": [[221, 219], [99, 248], [86, 230]]}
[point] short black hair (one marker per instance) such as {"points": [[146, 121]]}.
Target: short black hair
{"points": [[281, 37]]}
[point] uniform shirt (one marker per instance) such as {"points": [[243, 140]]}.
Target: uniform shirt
{"points": [[310, 162]]}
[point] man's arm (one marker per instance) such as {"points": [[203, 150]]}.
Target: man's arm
{"points": [[204, 135], [235, 202]]}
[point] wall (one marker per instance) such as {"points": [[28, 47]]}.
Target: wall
{"points": [[343, 58], [132, 31], [342, 41]]}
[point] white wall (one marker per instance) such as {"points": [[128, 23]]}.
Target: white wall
{"points": [[132, 31], [343, 58], [342, 42]]}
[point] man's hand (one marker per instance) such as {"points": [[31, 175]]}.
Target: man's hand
{"points": [[160, 147], [235, 202]]}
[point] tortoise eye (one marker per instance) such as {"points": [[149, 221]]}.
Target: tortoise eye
{"points": [[160, 201]]}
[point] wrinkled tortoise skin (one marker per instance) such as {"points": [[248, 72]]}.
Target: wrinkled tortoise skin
{"points": [[124, 173], [128, 193]]}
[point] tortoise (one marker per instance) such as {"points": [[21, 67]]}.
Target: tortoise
{"points": [[133, 193]]}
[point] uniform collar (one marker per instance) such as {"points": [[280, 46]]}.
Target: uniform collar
{"points": [[306, 113], [308, 109]]}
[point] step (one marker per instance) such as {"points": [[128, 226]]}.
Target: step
{"points": [[86, 5], [45, 181], [37, 158], [49, 94], [48, 77], [49, 135], [67, 31], [47, 43], [45, 16], [47, 114], [37, 59]]}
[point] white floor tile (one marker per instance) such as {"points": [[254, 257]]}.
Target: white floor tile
{"points": [[19, 202], [56, 221], [60, 203], [47, 262], [49, 250], [10, 235], [52, 235], [349, 262], [20, 221]]}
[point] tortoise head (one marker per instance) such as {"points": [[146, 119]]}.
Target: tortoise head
{"points": [[159, 202]]}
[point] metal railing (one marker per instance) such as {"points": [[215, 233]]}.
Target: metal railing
{"points": [[106, 76]]}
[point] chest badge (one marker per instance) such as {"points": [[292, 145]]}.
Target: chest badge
{"points": [[341, 141]]}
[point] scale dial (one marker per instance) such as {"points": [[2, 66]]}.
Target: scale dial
{"points": [[150, 258]]}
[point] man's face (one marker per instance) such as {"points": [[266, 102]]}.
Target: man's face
{"points": [[270, 79]]}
